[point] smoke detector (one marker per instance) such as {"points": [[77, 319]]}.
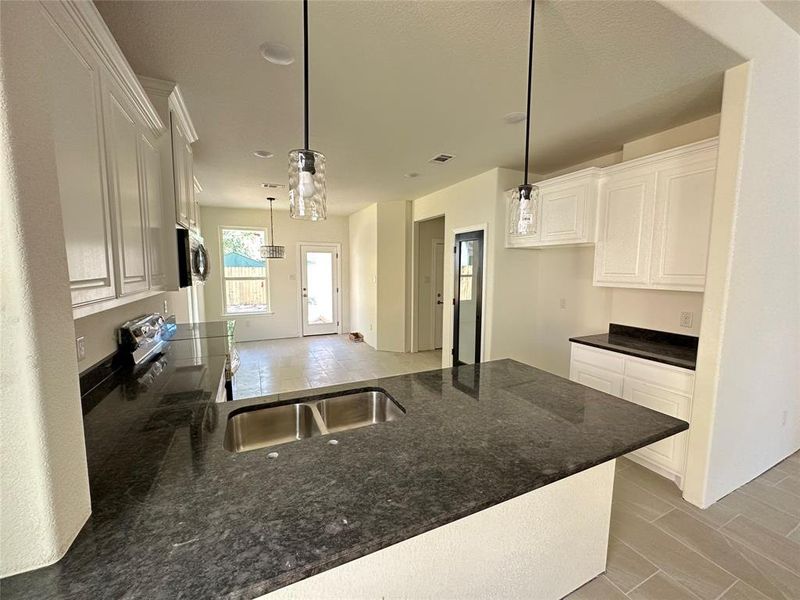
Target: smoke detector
{"points": [[440, 159]]}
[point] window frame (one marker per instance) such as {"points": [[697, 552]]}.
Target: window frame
{"points": [[225, 279]]}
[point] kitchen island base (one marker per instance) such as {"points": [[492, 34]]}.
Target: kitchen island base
{"points": [[542, 544]]}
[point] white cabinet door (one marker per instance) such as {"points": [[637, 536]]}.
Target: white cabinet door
{"points": [[669, 453], [180, 156], [684, 198], [77, 129], [563, 217], [596, 378], [622, 253], [150, 161], [129, 209], [188, 175]]}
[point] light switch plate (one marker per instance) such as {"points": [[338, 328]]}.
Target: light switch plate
{"points": [[80, 347], [686, 319]]}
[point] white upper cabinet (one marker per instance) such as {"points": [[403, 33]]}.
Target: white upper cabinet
{"points": [[565, 214], [126, 196], [183, 165], [625, 224], [150, 175], [77, 129], [654, 220], [684, 197]]}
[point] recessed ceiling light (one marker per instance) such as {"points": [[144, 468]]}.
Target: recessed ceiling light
{"points": [[514, 117], [277, 54], [273, 186], [263, 154], [411, 175]]}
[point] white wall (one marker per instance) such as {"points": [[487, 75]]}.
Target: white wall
{"points": [[284, 274], [751, 417], [44, 488], [363, 231], [427, 232]]}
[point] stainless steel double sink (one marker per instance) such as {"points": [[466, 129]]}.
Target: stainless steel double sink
{"points": [[259, 427]]}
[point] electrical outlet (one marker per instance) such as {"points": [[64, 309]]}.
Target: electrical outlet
{"points": [[80, 347], [563, 303], [686, 319]]}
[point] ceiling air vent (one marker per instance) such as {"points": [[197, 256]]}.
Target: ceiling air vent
{"points": [[273, 186], [440, 159]]}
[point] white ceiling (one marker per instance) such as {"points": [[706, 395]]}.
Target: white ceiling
{"points": [[394, 83]]}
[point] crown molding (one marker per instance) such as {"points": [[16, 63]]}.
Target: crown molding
{"points": [[172, 91], [197, 187], [90, 25]]}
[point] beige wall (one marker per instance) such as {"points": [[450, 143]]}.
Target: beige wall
{"points": [[393, 247], [44, 488], [363, 231], [284, 274], [427, 232]]}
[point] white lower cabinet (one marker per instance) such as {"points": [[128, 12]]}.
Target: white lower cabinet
{"points": [[654, 385]]}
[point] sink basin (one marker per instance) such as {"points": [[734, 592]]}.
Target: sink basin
{"points": [[357, 410], [264, 427], [259, 427]]}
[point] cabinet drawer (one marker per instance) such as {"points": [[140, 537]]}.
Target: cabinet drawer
{"points": [[676, 379], [610, 361], [596, 378]]}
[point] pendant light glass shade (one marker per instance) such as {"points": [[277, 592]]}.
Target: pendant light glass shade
{"points": [[270, 250], [523, 210], [307, 193]]}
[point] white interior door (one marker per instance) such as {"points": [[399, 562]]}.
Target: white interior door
{"points": [[320, 289], [438, 292]]}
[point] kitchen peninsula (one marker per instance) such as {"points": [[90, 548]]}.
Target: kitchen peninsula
{"points": [[497, 479]]}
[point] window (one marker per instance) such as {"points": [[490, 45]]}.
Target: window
{"points": [[244, 272]]}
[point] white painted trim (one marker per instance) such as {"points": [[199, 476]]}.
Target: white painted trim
{"points": [[96, 33], [197, 187], [433, 305], [222, 278], [484, 309], [172, 91], [658, 157], [299, 290]]}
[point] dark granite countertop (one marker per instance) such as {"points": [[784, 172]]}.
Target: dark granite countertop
{"points": [[661, 346], [207, 329], [177, 516]]}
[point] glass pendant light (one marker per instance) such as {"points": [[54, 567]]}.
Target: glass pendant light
{"points": [[525, 200], [307, 194], [271, 250]]}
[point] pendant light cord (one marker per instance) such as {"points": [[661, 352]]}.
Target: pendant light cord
{"points": [[530, 78], [271, 224], [305, 69]]}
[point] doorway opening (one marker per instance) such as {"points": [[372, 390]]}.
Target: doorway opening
{"points": [[320, 289], [429, 301], [468, 297]]}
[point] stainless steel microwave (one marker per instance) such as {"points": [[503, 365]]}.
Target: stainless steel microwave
{"points": [[193, 263]]}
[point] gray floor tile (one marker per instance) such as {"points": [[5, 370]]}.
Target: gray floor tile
{"points": [[760, 512], [742, 591], [781, 577], [687, 567], [777, 548], [661, 587], [636, 500], [598, 588], [794, 535], [790, 484], [625, 567], [718, 548], [773, 496]]}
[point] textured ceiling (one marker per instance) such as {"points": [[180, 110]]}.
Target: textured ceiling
{"points": [[395, 83]]}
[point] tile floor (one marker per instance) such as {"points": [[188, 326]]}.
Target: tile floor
{"points": [[274, 366], [744, 547]]}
